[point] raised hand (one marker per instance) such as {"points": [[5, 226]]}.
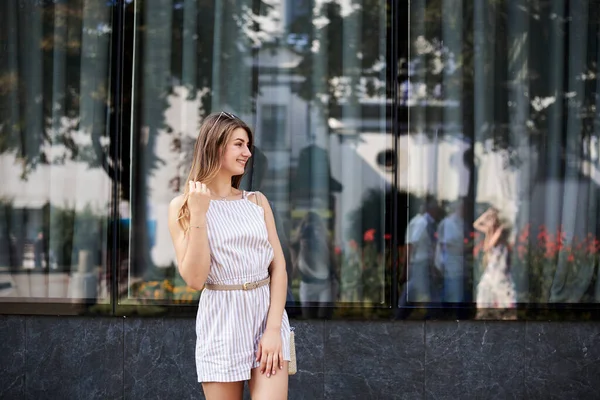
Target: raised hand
{"points": [[199, 199]]}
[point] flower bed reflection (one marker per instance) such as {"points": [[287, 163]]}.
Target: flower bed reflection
{"points": [[365, 269], [560, 266], [549, 265], [162, 286], [165, 290]]}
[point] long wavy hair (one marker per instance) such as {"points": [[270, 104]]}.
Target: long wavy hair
{"points": [[215, 132]]}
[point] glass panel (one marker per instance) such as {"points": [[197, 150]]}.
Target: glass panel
{"points": [[503, 138], [274, 118], [55, 169], [310, 79]]}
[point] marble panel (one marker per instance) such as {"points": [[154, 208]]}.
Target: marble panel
{"points": [[474, 359], [159, 359], [12, 349], [74, 358], [374, 360], [564, 360]]}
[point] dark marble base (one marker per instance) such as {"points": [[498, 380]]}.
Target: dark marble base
{"points": [[563, 361], [74, 358], [159, 359], [12, 356], [475, 360], [135, 358], [374, 360]]}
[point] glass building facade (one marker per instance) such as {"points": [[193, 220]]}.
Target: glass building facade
{"points": [[422, 158]]}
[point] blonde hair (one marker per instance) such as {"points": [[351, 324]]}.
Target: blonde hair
{"points": [[215, 132]]}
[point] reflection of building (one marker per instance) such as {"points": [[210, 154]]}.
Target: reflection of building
{"points": [[289, 126]]}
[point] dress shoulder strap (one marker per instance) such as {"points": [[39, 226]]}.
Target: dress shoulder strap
{"points": [[256, 200]]}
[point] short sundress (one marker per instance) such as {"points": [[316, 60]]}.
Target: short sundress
{"points": [[496, 289], [230, 323]]}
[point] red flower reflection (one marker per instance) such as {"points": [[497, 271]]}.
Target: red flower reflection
{"points": [[369, 235], [550, 244]]}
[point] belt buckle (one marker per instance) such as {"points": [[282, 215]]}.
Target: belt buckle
{"points": [[245, 285]]}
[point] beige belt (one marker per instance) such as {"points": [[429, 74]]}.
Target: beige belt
{"points": [[245, 286]]}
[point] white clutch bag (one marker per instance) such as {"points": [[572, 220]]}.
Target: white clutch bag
{"points": [[292, 365]]}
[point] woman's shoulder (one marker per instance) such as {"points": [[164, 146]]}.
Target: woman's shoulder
{"points": [[256, 197], [177, 202]]}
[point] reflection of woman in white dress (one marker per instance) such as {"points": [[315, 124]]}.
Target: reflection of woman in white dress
{"points": [[496, 288]]}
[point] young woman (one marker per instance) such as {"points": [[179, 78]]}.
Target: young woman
{"points": [[225, 242], [496, 294]]}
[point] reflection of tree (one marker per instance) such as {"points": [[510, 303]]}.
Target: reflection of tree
{"points": [[499, 53], [70, 232], [354, 60], [73, 231], [55, 83], [76, 97], [373, 213], [67, 83], [370, 228], [8, 237]]}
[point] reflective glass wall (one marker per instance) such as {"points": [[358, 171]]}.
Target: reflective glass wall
{"points": [[419, 156], [56, 171], [310, 78], [502, 149]]}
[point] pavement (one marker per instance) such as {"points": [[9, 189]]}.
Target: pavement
{"points": [[39, 284]]}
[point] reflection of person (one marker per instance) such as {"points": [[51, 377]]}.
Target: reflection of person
{"points": [[421, 285], [414, 221], [449, 256], [39, 251], [315, 263], [225, 240], [496, 288]]}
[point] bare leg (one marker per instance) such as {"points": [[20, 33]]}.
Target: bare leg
{"points": [[223, 390], [273, 388]]}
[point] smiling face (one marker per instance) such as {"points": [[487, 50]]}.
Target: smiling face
{"points": [[236, 152]]}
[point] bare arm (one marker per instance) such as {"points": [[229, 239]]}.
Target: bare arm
{"points": [[492, 237], [192, 250], [485, 222], [277, 269]]}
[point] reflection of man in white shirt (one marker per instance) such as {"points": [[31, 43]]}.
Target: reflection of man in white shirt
{"points": [[421, 244], [450, 254], [412, 223]]}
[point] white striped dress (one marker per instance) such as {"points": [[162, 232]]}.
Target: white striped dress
{"points": [[230, 323]]}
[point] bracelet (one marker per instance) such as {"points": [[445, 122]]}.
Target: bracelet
{"points": [[198, 226]]}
